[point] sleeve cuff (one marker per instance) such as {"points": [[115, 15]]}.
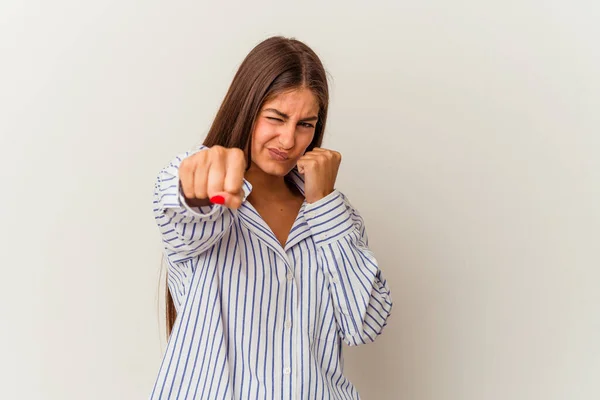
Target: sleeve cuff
{"points": [[171, 197], [204, 212], [329, 219]]}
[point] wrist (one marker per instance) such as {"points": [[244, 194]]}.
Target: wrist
{"points": [[313, 198]]}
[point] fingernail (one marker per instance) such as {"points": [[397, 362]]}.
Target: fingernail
{"points": [[217, 200]]}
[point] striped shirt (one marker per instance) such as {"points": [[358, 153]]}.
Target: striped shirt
{"points": [[257, 320]]}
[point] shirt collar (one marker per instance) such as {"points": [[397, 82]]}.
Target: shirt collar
{"points": [[297, 179]]}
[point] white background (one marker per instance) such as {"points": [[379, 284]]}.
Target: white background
{"points": [[470, 133]]}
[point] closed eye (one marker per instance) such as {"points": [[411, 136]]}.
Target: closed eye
{"points": [[275, 119]]}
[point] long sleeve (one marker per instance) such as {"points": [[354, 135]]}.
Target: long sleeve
{"points": [[186, 231], [359, 292]]}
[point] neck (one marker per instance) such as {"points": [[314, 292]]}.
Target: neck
{"points": [[266, 187]]}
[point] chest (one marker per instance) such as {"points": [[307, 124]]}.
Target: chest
{"points": [[280, 218]]}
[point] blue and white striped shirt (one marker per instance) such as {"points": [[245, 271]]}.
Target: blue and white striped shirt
{"points": [[257, 320]]}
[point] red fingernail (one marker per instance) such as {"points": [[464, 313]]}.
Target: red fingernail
{"points": [[217, 200]]}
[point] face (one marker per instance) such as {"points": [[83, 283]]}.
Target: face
{"points": [[284, 129]]}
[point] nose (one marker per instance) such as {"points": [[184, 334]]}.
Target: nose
{"points": [[287, 136]]}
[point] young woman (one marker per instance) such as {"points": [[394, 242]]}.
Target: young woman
{"points": [[269, 268]]}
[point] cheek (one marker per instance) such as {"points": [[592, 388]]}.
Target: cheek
{"points": [[261, 136], [304, 141]]}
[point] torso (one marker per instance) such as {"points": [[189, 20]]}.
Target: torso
{"points": [[280, 216]]}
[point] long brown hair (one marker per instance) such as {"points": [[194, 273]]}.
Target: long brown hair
{"points": [[274, 66]]}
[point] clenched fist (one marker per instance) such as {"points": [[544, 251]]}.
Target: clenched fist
{"points": [[320, 168], [213, 175]]}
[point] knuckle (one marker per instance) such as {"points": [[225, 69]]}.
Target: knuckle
{"points": [[218, 151], [235, 152], [192, 162], [186, 165], [236, 155]]}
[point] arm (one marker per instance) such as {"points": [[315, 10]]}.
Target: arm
{"points": [[192, 227], [359, 291], [187, 228]]}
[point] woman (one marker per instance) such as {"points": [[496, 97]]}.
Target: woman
{"points": [[268, 264]]}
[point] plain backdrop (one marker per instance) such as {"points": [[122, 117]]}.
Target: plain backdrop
{"points": [[470, 133]]}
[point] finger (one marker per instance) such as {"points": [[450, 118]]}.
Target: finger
{"points": [[234, 174], [306, 164], [199, 179], [329, 154], [300, 165], [234, 201], [186, 179], [321, 153], [216, 177], [312, 160], [309, 156], [227, 199]]}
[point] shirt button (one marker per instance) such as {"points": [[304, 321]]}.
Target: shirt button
{"points": [[334, 279], [290, 276], [286, 371], [288, 324]]}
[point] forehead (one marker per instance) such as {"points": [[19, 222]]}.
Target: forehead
{"points": [[297, 101]]}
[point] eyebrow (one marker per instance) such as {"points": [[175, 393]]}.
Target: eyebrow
{"points": [[285, 116]]}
